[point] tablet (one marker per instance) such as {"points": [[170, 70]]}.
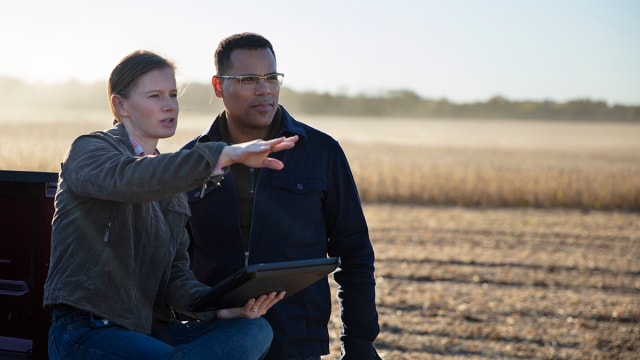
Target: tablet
{"points": [[258, 279]]}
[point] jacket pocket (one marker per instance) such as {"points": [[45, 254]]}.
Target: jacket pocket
{"points": [[298, 184], [295, 210]]}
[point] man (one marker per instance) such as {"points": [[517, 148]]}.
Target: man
{"points": [[309, 209]]}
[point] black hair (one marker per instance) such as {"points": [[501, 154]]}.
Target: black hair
{"points": [[245, 41]]}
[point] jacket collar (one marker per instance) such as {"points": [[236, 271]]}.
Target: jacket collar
{"points": [[119, 132]]}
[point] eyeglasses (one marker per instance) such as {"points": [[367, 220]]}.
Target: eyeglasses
{"points": [[252, 81]]}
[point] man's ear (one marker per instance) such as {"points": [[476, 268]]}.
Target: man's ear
{"points": [[217, 86]]}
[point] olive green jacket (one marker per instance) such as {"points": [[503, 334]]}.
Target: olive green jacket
{"points": [[118, 238]]}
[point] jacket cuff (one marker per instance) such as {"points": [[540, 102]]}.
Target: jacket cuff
{"points": [[211, 151], [359, 349]]}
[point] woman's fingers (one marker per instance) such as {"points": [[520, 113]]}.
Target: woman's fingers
{"points": [[260, 306], [286, 143], [255, 153], [272, 163], [278, 144], [254, 308]]}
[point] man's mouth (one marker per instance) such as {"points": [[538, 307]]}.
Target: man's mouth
{"points": [[263, 106]]}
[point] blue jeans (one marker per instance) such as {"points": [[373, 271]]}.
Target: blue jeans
{"points": [[76, 334]]}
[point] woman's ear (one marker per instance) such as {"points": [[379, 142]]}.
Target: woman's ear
{"points": [[217, 85], [117, 106]]}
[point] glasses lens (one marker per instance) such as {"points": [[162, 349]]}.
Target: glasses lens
{"points": [[274, 79], [249, 80]]}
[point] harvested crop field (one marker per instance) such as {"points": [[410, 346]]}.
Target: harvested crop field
{"points": [[504, 283]]}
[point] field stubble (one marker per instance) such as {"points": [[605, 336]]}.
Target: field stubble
{"points": [[457, 283]]}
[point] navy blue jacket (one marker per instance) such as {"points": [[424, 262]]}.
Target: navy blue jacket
{"points": [[309, 209]]}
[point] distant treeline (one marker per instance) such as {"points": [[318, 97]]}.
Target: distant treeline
{"points": [[199, 98]]}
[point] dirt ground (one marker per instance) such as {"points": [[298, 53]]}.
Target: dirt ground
{"points": [[458, 283]]}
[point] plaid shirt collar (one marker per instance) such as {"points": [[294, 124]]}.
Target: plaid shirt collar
{"points": [[137, 148]]}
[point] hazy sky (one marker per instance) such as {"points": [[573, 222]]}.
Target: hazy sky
{"points": [[462, 50]]}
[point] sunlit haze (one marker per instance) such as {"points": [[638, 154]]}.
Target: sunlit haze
{"points": [[460, 50]]}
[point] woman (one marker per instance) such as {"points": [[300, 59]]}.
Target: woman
{"points": [[119, 266]]}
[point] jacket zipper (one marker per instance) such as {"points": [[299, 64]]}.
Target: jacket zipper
{"points": [[106, 232], [252, 190], [208, 182], [252, 183]]}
